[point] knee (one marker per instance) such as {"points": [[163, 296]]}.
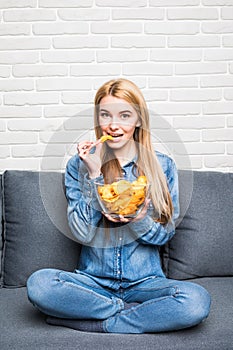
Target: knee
{"points": [[38, 285], [197, 306]]}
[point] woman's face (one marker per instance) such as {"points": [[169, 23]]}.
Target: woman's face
{"points": [[119, 119]]}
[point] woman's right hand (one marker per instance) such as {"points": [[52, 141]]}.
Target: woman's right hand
{"points": [[91, 160]]}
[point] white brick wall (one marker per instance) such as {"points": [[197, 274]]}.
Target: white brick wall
{"points": [[54, 54]]}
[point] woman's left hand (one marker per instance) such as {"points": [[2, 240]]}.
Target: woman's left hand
{"points": [[122, 219]]}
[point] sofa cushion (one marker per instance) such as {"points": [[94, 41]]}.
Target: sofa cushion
{"points": [[23, 327], [32, 240], [203, 243]]}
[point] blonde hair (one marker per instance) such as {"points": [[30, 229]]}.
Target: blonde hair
{"points": [[147, 162]]}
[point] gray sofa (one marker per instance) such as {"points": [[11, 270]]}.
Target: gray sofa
{"points": [[35, 235]]}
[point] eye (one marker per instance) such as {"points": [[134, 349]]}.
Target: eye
{"points": [[125, 116], [104, 115]]}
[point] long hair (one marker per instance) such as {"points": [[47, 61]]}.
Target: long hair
{"points": [[147, 161]]}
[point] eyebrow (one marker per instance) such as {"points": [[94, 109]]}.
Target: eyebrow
{"points": [[105, 110]]}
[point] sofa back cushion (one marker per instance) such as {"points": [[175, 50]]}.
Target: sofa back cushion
{"points": [[203, 243], [32, 238]]}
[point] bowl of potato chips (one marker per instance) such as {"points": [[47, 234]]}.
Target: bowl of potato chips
{"points": [[123, 197]]}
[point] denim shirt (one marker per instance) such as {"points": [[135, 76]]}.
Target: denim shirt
{"points": [[125, 253]]}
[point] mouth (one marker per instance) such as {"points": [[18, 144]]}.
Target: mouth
{"points": [[115, 136]]}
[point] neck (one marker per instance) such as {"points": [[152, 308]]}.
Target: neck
{"points": [[126, 154]]}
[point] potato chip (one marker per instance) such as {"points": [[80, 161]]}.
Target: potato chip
{"points": [[122, 197], [105, 138]]}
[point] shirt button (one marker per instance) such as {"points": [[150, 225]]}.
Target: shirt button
{"points": [[118, 254], [120, 238], [118, 272]]}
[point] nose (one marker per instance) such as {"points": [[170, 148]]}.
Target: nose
{"points": [[114, 123]]}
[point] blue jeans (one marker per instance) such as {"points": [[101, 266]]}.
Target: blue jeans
{"points": [[163, 304]]}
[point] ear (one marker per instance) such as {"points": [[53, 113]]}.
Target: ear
{"points": [[138, 123]]}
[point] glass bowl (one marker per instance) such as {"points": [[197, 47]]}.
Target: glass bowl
{"points": [[122, 197]]}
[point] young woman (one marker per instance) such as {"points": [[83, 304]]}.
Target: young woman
{"points": [[119, 285]]}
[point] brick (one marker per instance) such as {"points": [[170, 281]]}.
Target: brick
{"points": [[200, 68], [24, 43], [15, 29], [121, 3], [200, 148], [75, 122], [216, 81], [141, 41], [171, 3], [228, 41], [121, 55], [151, 95], [35, 98], [176, 55], [84, 14], [217, 27], [16, 85], [5, 72], [63, 56], [38, 151], [26, 15], [227, 12], [20, 112], [4, 152], [143, 14], [96, 69], [65, 3], [217, 2], [19, 164], [67, 137], [194, 41], [191, 163], [60, 28], [196, 95], [5, 4], [228, 94], [62, 84], [170, 27], [10, 138], [219, 161], [80, 42], [116, 28], [177, 108], [218, 55], [199, 123], [61, 111], [198, 13], [149, 68], [230, 121], [20, 57], [34, 124], [230, 148], [77, 97], [2, 125], [218, 108], [173, 82], [231, 68], [53, 164], [40, 70], [217, 135]]}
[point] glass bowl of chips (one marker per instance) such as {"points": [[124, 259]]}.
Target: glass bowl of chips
{"points": [[123, 197]]}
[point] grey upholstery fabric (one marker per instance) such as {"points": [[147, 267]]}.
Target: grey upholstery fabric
{"points": [[203, 243], [1, 237], [24, 328], [32, 241]]}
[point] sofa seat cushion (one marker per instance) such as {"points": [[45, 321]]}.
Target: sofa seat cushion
{"points": [[32, 240], [203, 243], [22, 327]]}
